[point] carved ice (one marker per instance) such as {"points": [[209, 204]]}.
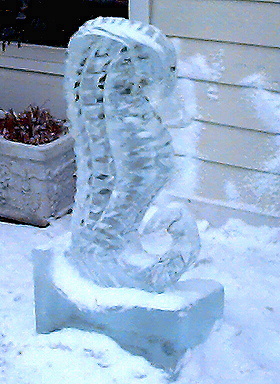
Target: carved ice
{"points": [[117, 73], [129, 242]]}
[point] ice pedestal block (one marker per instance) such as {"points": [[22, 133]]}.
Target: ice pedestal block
{"points": [[159, 327]]}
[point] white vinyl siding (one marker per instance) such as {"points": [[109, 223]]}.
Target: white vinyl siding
{"points": [[32, 74], [247, 155], [238, 61], [229, 50], [245, 22]]}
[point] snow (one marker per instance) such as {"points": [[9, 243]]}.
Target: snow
{"points": [[198, 66], [265, 103], [266, 107], [91, 296], [244, 348], [232, 191]]}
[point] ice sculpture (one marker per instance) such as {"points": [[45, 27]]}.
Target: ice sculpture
{"points": [[117, 73], [117, 271]]}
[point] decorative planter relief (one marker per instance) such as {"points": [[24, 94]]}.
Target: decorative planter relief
{"points": [[36, 182]]}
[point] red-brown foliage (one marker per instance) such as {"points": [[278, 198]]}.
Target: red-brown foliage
{"points": [[33, 126]]}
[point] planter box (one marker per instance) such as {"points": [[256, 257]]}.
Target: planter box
{"points": [[36, 182]]}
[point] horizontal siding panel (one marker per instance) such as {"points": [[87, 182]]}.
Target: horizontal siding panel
{"points": [[217, 214], [225, 185], [260, 1], [232, 146], [20, 89], [228, 63], [265, 1], [31, 65], [233, 21], [33, 58], [230, 105], [35, 52], [229, 186], [245, 189]]}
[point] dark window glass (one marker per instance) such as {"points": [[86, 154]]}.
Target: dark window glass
{"points": [[52, 22]]}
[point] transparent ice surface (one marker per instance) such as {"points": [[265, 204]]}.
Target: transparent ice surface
{"points": [[118, 75]]}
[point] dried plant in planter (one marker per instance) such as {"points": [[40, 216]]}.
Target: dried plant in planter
{"points": [[36, 170], [34, 126]]}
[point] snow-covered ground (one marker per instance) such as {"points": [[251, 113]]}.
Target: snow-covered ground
{"points": [[243, 349]]}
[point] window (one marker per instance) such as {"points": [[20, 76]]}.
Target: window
{"points": [[52, 22]]}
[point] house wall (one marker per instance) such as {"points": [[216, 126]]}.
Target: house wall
{"points": [[229, 51], [32, 74]]}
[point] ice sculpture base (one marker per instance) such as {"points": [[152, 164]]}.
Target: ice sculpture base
{"points": [[160, 329]]}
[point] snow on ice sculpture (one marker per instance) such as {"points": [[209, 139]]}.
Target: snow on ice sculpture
{"points": [[105, 275]]}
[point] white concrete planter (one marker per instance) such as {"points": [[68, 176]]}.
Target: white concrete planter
{"points": [[36, 182]]}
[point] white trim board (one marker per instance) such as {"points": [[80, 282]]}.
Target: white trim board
{"points": [[139, 10]]}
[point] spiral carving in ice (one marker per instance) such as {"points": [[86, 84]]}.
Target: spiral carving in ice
{"points": [[117, 72]]}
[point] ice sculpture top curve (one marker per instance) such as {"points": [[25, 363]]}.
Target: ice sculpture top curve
{"points": [[117, 71]]}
